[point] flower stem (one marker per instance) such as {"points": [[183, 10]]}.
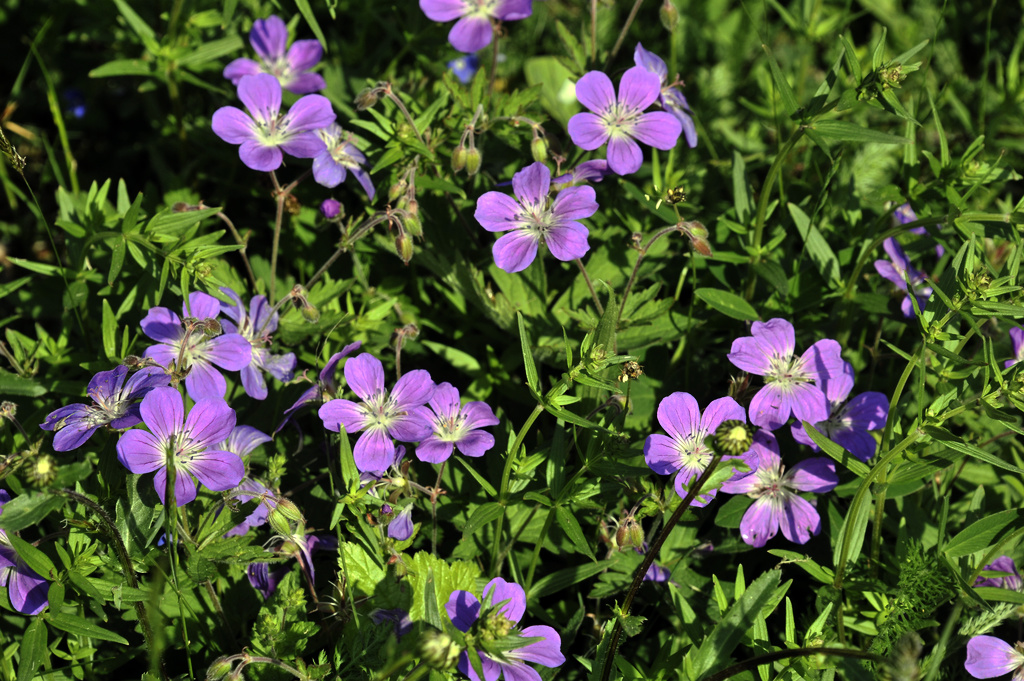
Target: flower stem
{"points": [[494, 62], [590, 285], [279, 216], [506, 474], [241, 242], [593, 31], [622, 33], [636, 269]]}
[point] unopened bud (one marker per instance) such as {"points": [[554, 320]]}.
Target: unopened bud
{"points": [[733, 437], [669, 15], [630, 534], [284, 517], [367, 99], [473, 161], [220, 669], [403, 246], [539, 149], [331, 208], [8, 410], [211, 327], [439, 651], [397, 189], [459, 159]]}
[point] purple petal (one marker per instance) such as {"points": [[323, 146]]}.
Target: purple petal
{"points": [[363, 178], [463, 609], [374, 451], [658, 129], [164, 412], [244, 439], [638, 89], [748, 355], [859, 443], [772, 406], [281, 367], [499, 590], [760, 523], [327, 373], [106, 384], [204, 381], [256, 156], [471, 33], [989, 657], [515, 251], [496, 212], [823, 360], [240, 67], [776, 337], [414, 426], [162, 325], [443, 10], [682, 483], [401, 527], [261, 95], [184, 487], [651, 62], [743, 484], [836, 386], [326, 171], [201, 306], [413, 389], [679, 415], [816, 475], [492, 670], [568, 241], [27, 590], [72, 436], [885, 268], [475, 443], [303, 144], [252, 381], [595, 91], [141, 452], [661, 454], [269, 37], [305, 83], [365, 375], [513, 10], [799, 520], [343, 412], [588, 131], [1017, 340], [575, 203], [216, 470], [230, 351], [624, 155], [310, 113], [232, 125], [304, 55], [478, 415], [433, 450], [445, 401], [209, 422], [722, 409], [808, 403], [899, 259], [867, 411], [547, 652], [142, 381], [531, 184]]}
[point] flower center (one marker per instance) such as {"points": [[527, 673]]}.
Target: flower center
{"points": [[379, 411], [537, 217], [770, 483], [787, 370], [620, 119], [693, 453], [450, 429], [481, 8]]}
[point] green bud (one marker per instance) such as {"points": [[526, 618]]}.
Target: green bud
{"points": [[414, 226], [669, 16], [539, 149], [459, 159], [629, 534], [397, 190], [220, 669], [439, 650], [310, 313], [473, 161], [733, 437], [367, 99], [403, 246]]}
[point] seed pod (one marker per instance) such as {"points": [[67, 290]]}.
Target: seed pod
{"points": [[403, 246], [367, 99], [669, 15], [539, 149], [459, 159], [473, 161]]}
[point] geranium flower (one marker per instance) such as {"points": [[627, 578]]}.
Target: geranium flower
{"points": [[848, 422], [400, 415], [1016, 341], [256, 326], [401, 527], [269, 37], [326, 386], [989, 657], [683, 451], [189, 441], [456, 426], [671, 98], [465, 67], [588, 171], [621, 120], [338, 157], [894, 271], [904, 215], [774, 490], [789, 381], [499, 623], [473, 29], [330, 208], [1011, 580], [532, 218], [26, 590], [196, 350], [265, 133], [115, 403]]}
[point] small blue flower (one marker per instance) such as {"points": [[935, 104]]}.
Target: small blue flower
{"points": [[465, 67]]}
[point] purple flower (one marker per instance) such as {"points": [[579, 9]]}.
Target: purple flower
{"points": [[848, 422], [904, 215], [25, 588], [621, 120], [1016, 341], [400, 618], [497, 620], [465, 67], [330, 208], [114, 404], [789, 381], [776, 503], [989, 657], [265, 133], [1011, 580], [588, 171], [400, 415], [243, 439], [193, 348], [326, 386], [683, 451], [265, 580], [257, 327], [670, 98], [456, 426], [337, 157], [473, 30], [401, 527], [189, 441], [247, 490], [531, 218], [894, 271], [269, 37]]}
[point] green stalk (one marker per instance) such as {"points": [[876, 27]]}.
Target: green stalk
{"points": [[506, 474]]}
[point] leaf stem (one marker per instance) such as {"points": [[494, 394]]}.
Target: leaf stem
{"points": [[622, 33]]}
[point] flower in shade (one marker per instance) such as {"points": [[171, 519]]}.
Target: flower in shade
{"points": [[898, 270], [115, 403], [401, 527], [26, 590], [671, 98], [1010, 580], [337, 158], [382, 416], [397, 616], [473, 29], [989, 657], [256, 326], [905, 215], [849, 422], [330, 208], [588, 171], [189, 442], [497, 620], [269, 37], [465, 67], [264, 579], [532, 218], [789, 380], [684, 451], [325, 387], [248, 490], [1016, 341], [774, 489], [620, 120], [456, 426], [183, 347], [264, 133]]}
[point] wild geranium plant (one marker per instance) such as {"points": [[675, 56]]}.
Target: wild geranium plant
{"points": [[733, 391]]}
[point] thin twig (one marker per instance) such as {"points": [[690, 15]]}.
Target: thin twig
{"points": [[241, 242], [622, 33], [590, 285]]}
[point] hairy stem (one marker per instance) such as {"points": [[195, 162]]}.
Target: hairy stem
{"points": [[590, 285]]}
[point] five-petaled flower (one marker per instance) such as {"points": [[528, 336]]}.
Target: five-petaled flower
{"points": [[773, 488], [465, 67], [183, 347], [532, 218], [26, 590], [1016, 343], [338, 158], [264, 133], [326, 386], [256, 326], [473, 29], [456, 426], [400, 415], [684, 450], [269, 37], [186, 442], [898, 270], [670, 98], [115, 403], [989, 657], [497, 620], [789, 380], [621, 120]]}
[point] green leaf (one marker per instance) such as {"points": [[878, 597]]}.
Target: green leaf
{"points": [[122, 67], [844, 131], [532, 379], [307, 14], [431, 612], [446, 577], [728, 303], [73, 624], [33, 557], [982, 534], [28, 509], [563, 579], [215, 49], [12, 384], [852, 62], [958, 445], [572, 47], [484, 514], [789, 102], [821, 253], [842, 456], [488, 487], [557, 94], [33, 650], [567, 521]]}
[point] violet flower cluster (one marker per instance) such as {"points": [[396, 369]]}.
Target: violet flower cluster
{"points": [[256, 326]]}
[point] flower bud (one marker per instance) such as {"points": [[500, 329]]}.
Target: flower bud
{"points": [[630, 534], [330, 208], [539, 149], [473, 161], [669, 15], [220, 669], [458, 159], [367, 99], [403, 246], [397, 189], [211, 327], [733, 437], [439, 651]]}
